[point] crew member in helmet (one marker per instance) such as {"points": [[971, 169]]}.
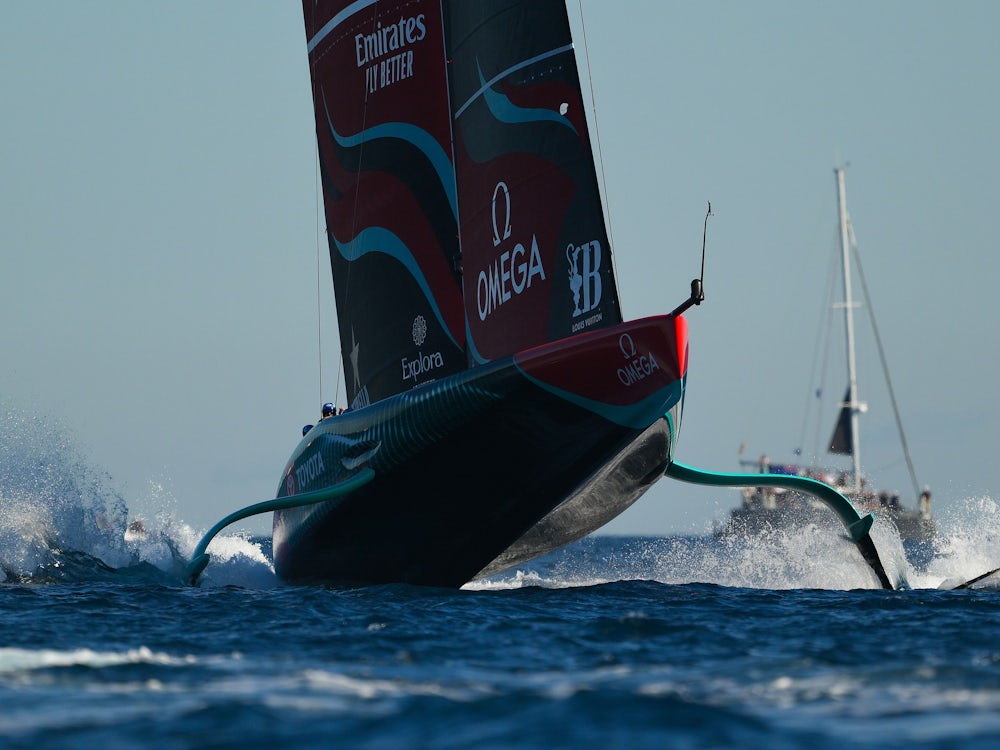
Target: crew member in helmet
{"points": [[329, 410]]}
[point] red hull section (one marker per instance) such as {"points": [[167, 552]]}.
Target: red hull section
{"points": [[619, 366]]}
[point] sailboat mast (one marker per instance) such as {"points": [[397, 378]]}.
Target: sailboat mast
{"points": [[852, 375]]}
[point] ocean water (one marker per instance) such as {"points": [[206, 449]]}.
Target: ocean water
{"points": [[779, 641]]}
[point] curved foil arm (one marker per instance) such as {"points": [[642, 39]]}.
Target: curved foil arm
{"points": [[858, 526], [200, 559]]}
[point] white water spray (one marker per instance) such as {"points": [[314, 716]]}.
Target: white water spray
{"points": [[794, 557], [61, 519]]}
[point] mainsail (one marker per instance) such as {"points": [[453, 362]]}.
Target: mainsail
{"points": [[461, 230], [379, 83], [535, 254]]}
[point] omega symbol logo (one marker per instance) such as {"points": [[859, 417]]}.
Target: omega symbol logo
{"points": [[627, 345], [505, 197], [517, 265], [637, 366]]}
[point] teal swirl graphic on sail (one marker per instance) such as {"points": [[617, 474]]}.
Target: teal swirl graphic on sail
{"points": [[417, 137], [506, 111], [380, 240]]}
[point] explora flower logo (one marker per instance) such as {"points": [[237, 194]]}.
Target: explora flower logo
{"points": [[419, 330], [422, 364]]}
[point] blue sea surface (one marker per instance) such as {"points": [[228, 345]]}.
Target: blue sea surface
{"points": [[782, 640]]}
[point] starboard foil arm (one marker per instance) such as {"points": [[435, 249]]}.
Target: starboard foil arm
{"points": [[858, 526], [200, 558]]}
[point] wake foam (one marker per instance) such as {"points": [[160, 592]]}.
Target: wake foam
{"points": [[968, 544], [61, 520], [806, 556]]}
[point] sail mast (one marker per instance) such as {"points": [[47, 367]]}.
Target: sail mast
{"points": [[852, 391]]}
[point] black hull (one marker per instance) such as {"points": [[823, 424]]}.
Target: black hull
{"points": [[477, 472]]}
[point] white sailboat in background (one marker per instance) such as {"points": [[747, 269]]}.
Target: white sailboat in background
{"points": [[770, 505]]}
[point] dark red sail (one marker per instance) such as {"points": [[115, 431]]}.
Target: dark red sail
{"points": [[380, 97], [537, 265]]}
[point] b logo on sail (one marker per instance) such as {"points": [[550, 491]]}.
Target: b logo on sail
{"points": [[584, 276], [514, 270]]}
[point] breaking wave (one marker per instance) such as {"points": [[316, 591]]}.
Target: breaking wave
{"points": [[61, 520]]}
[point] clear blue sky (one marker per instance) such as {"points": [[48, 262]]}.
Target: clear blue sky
{"points": [[158, 230]]}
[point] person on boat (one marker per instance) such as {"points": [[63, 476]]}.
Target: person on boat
{"points": [[329, 410], [306, 429], [925, 502]]}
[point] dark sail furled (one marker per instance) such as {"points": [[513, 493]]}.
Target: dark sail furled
{"points": [[535, 255], [382, 121], [841, 440]]}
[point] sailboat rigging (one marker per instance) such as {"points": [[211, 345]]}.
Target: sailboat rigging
{"points": [[764, 505]]}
